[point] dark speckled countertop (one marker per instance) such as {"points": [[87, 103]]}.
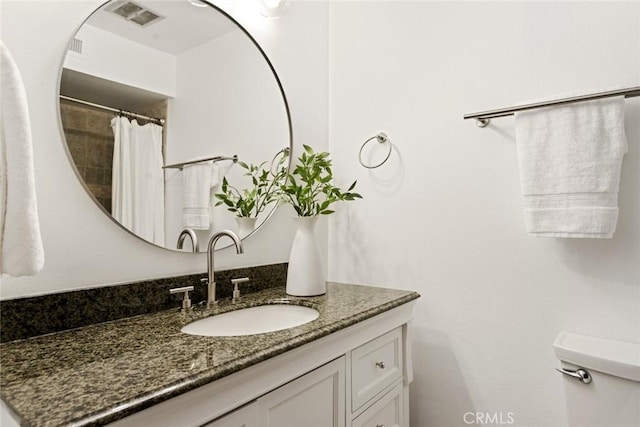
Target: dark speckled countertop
{"points": [[81, 376]]}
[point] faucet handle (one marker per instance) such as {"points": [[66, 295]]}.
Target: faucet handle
{"points": [[235, 283], [186, 301]]}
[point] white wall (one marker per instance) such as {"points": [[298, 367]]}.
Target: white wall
{"points": [[118, 59], [83, 247], [444, 216]]}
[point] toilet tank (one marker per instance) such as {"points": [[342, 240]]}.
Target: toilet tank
{"points": [[609, 396]]}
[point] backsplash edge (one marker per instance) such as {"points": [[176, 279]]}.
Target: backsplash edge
{"points": [[28, 317]]}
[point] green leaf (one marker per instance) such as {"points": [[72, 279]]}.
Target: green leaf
{"points": [[308, 187]]}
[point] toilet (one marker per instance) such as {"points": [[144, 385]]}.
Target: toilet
{"points": [[602, 380]]}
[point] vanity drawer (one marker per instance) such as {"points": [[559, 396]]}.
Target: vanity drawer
{"points": [[374, 366], [387, 412]]}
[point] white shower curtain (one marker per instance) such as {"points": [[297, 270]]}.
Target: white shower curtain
{"points": [[138, 179]]}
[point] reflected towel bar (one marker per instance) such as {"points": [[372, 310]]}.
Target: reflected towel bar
{"points": [[482, 118], [190, 162]]}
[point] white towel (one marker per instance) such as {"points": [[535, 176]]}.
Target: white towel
{"points": [[196, 187], [215, 175], [570, 157], [21, 252]]}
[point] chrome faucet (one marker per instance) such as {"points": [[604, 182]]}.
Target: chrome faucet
{"points": [[211, 284], [194, 239]]}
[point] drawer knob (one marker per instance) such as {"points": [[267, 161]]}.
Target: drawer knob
{"points": [[379, 425], [381, 366]]}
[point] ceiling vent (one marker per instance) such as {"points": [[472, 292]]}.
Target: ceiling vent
{"points": [[135, 13]]}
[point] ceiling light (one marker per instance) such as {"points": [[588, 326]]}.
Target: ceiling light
{"points": [[198, 3], [273, 8]]}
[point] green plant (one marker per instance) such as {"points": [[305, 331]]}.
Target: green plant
{"points": [[249, 202], [309, 189]]}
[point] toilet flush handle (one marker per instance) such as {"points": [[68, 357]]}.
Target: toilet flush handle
{"points": [[581, 374]]}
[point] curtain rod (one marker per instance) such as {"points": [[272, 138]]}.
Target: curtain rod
{"points": [[115, 110], [215, 159], [482, 118]]}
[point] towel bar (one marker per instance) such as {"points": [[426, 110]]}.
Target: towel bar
{"points": [[482, 118], [215, 159]]}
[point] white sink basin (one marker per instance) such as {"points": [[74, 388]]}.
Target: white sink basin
{"points": [[253, 320]]}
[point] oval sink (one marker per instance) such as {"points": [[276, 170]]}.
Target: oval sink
{"points": [[253, 320]]}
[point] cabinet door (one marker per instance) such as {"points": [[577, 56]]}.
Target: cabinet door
{"points": [[316, 399], [243, 417]]}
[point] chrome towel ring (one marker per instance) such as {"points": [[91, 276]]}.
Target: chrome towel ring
{"points": [[382, 138]]}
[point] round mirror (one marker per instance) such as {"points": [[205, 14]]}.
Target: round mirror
{"points": [[161, 103]]}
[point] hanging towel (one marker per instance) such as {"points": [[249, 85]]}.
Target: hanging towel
{"points": [[196, 187], [21, 252], [215, 175], [570, 157], [215, 182]]}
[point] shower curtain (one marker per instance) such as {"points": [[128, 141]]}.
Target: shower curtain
{"points": [[138, 179]]}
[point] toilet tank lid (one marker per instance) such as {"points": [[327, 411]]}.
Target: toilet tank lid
{"points": [[618, 358]]}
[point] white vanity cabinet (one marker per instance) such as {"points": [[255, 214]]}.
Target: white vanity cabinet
{"points": [[377, 377], [247, 416], [313, 400], [355, 377], [375, 366], [316, 399], [388, 411]]}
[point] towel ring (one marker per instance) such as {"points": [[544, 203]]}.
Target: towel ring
{"points": [[285, 153], [381, 138]]}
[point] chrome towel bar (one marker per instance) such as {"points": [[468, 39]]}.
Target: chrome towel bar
{"points": [[482, 118], [190, 162]]}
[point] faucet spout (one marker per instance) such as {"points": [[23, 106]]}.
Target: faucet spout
{"points": [[194, 239], [211, 283]]}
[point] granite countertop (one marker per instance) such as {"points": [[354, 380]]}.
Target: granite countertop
{"points": [[100, 373]]}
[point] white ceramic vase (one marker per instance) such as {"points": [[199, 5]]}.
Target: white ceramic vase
{"points": [[305, 275], [246, 225]]}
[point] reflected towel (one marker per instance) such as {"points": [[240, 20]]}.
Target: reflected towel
{"points": [[570, 157], [215, 175], [21, 252], [196, 186]]}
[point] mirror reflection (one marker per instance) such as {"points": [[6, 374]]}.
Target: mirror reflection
{"points": [[163, 101]]}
